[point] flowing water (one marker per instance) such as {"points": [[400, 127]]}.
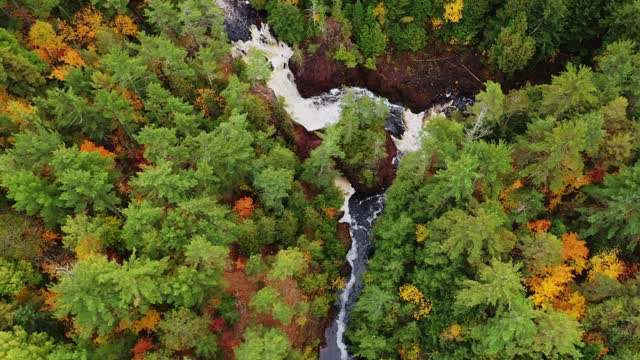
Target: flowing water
{"points": [[363, 213], [318, 112], [360, 212]]}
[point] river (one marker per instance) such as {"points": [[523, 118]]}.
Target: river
{"points": [[244, 28]]}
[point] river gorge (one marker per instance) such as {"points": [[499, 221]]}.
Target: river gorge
{"points": [[245, 29]]}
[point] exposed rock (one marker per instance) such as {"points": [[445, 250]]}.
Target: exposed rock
{"points": [[414, 79]]}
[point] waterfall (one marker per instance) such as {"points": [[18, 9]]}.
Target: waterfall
{"points": [[363, 211], [319, 112]]}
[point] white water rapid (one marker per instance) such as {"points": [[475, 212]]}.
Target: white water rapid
{"points": [[321, 111], [316, 113], [347, 190]]}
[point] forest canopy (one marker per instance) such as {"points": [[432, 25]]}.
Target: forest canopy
{"points": [[157, 200]]}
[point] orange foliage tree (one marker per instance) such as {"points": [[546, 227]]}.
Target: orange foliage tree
{"points": [[539, 226], [244, 207], [143, 345], [89, 146], [574, 251], [551, 286], [148, 322]]}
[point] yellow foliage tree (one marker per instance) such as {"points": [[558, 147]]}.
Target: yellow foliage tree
{"points": [[16, 109], [436, 23], [505, 201], [87, 248], [412, 294], [539, 226], [421, 233], [87, 23], [124, 25], [380, 12], [607, 263], [73, 58], [571, 303], [453, 11], [411, 354], [59, 72], [452, 333], [548, 285], [43, 36]]}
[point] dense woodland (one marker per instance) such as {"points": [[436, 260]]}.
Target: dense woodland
{"points": [[156, 201]]}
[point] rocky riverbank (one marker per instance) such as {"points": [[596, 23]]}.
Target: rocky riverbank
{"points": [[415, 79]]}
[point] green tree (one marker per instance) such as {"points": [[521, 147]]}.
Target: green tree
{"points": [[492, 99], [258, 69], [287, 21], [41, 8], [201, 277], [183, 330], [455, 183], [268, 301], [100, 293], [202, 23], [162, 183], [127, 71], [288, 262], [223, 157], [622, 23], [499, 286], [494, 165], [513, 49], [372, 41], [559, 335], [274, 186], [17, 344], [111, 7], [115, 107], [66, 109], [34, 195], [32, 150], [85, 179], [263, 343], [320, 168], [552, 151], [21, 71], [103, 229], [16, 275], [510, 333], [362, 136], [374, 303], [614, 312], [411, 36], [614, 216], [489, 239], [164, 16], [619, 74], [160, 54], [571, 92]]}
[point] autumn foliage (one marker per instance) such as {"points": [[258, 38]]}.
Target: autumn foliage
{"points": [[574, 251], [244, 207], [539, 226], [413, 295], [143, 345], [89, 146]]}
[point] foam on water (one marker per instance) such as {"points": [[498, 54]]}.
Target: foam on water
{"points": [[319, 112]]}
